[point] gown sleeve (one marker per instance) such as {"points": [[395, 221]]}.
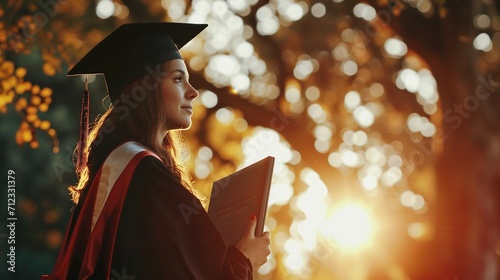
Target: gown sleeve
{"points": [[164, 233]]}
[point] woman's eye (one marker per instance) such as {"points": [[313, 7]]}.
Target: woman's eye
{"points": [[178, 79]]}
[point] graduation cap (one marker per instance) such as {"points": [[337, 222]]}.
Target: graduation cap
{"points": [[126, 54]]}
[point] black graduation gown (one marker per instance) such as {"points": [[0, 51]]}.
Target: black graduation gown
{"points": [[164, 233]]}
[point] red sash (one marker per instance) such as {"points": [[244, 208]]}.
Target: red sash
{"points": [[91, 241]]}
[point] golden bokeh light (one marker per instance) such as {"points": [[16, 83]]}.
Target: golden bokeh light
{"points": [[350, 226]]}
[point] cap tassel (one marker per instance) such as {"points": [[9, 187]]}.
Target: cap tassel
{"points": [[81, 160]]}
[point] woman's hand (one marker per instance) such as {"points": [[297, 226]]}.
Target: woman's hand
{"points": [[256, 249]]}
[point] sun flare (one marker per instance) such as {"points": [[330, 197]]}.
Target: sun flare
{"points": [[350, 226]]}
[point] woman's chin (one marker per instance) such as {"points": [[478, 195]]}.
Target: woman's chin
{"points": [[184, 126]]}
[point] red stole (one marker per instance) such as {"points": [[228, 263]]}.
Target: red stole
{"points": [[91, 241]]}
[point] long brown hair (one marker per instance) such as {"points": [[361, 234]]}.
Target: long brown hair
{"points": [[139, 115]]}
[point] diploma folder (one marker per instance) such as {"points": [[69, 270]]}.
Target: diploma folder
{"points": [[235, 198]]}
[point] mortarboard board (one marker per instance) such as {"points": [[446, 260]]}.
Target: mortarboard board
{"points": [[125, 55]]}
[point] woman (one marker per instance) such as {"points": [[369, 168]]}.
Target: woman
{"points": [[128, 221]]}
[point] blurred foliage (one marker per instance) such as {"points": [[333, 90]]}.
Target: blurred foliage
{"points": [[352, 100]]}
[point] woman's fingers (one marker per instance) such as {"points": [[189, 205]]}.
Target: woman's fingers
{"points": [[256, 249], [251, 227]]}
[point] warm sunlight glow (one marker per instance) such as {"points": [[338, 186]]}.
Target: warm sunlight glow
{"points": [[351, 226]]}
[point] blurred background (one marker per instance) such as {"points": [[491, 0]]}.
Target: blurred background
{"points": [[383, 117]]}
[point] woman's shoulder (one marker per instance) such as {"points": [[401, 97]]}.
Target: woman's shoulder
{"points": [[151, 168], [136, 157], [152, 164], [154, 180]]}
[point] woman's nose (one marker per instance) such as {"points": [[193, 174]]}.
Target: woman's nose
{"points": [[192, 93]]}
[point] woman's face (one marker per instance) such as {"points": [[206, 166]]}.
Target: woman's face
{"points": [[178, 95]]}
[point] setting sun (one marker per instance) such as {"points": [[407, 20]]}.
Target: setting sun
{"points": [[350, 226]]}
